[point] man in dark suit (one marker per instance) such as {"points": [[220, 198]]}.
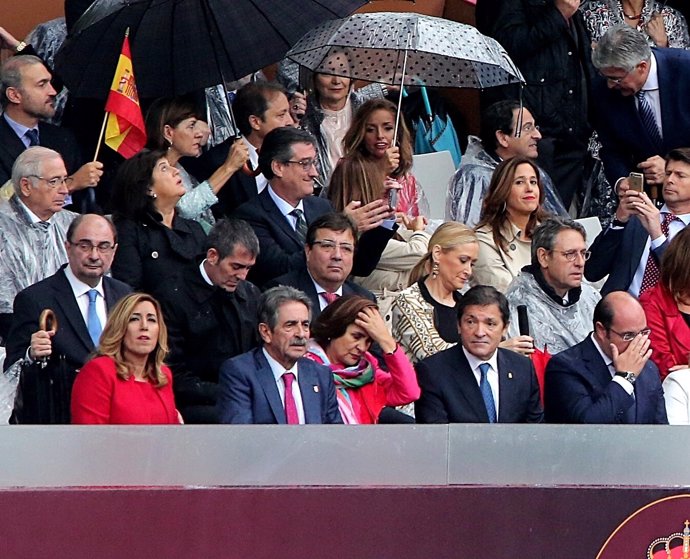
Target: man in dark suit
{"points": [[629, 251], [281, 214], [608, 377], [638, 112], [27, 99], [80, 295], [476, 381], [330, 247], [211, 316], [276, 383]]}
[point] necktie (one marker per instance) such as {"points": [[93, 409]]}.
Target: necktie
{"points": [[301, 226], [329, 297], [648, 120], [290, 406], [32, 135], [485, 389], [651, 271], [92, 321]]}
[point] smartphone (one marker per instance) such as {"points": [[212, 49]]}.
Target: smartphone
{"points": [[636, 182], [393, 198]]}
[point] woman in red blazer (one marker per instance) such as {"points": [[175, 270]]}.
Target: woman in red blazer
{"points": [[126, 382], [667, 307]]}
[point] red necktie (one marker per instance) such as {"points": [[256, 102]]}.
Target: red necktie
{"points": [[651, 272], [330, 297], [290, 406]]}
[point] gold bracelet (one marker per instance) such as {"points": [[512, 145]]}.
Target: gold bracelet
{"points": [[20, 47]]}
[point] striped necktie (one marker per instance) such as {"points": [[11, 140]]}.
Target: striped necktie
{"points": [[648, 120]]}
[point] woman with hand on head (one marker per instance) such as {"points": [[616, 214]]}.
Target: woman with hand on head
{"points": [[512, 209], [126, 382], [342, 336], [176, 125]]}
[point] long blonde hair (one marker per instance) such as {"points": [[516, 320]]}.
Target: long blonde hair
{"points": [[112, 339], [448, 236]]}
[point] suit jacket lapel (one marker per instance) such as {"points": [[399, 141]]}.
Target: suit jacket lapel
{"points": [[264, 375], [278, 218], [310, 390], [599, 371], [467, 386], [64, 298], [506, 391]]}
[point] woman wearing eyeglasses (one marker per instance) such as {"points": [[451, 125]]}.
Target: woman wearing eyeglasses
{"points": [[667, 306], [154, 242], [511, 211], [371, 169]]}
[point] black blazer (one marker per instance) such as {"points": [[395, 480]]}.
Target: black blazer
{"points": [[281, 249], [450, 393], [72, 340], [578, 389], [302, 281]]}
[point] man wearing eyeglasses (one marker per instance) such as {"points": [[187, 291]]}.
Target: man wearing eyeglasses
{"points": [[559, 305], [33, 225], [281, 214], [639, 111], [330, 247], [608, 377], [80, 295]]}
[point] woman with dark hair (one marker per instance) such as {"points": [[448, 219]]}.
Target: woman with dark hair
{"points": [[177, 126], [372, 165], [512, 209], [342, 336], [667, 306], [153, 241], [126, 381]]}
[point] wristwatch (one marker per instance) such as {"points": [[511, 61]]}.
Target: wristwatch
{"points": [[627, 375]]}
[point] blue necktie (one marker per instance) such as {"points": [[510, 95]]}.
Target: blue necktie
{"points": [[485, 389], [92, 321], [32, 135], [648, 120]]}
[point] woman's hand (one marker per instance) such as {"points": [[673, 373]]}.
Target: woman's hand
{"points": [[418, 223], [298, 106], [521, 344], [656, 30], [370, 216], [237, 155], [393, 157], [371, 321]]}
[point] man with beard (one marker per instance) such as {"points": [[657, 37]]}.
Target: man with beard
{"points": [[276, 383], [28, 99]]}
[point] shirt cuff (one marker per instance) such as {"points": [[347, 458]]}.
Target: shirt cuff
{"points": [[388, 223], [626, 385]]}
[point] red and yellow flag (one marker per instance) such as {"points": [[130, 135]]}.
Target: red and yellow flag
{"points": [[125, 131]]}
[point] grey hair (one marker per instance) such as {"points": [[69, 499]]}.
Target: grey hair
{"points": [[229, 233], [11, 74], [276, 297], [621, 47], [30, 162], [544, 235]]}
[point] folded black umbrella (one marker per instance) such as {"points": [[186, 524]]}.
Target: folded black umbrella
{"points": [[180, 46]]}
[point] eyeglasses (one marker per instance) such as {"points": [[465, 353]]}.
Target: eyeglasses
{"points": [[54, 182], [616, 81], [306, 164], [87, 246], [330, 246], [571, 255], [630, 336]]}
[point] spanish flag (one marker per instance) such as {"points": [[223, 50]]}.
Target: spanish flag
{"points": [[125, 131]]}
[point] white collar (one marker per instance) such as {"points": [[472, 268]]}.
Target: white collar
{"points": [[276, 368], [474, 361], [284, 207], [652, 82], [79, 287]]}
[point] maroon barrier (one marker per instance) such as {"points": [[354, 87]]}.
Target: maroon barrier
{"points": [[317, 522]]}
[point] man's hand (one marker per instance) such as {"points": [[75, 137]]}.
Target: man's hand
{"points": [[370, 216], [624, 210], [567, 7], [647, 212], [41, 345], [656, 30], [635, 357], [654, 169], [88, 175], [7, 40]]}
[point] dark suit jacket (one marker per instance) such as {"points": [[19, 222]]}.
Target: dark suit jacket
{"points": [[72, 341], [59, 139], [302, 281], [450, 393], [206, 326], [578, 389], [248, 391], [282, 250], [617, 252], [625, 142]]}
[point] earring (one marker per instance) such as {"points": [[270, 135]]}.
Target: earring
{"points": [[434, 270]]}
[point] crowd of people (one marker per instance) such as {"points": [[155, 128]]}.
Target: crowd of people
{"points": [[292, 275]]}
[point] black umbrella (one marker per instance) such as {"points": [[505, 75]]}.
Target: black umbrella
{"points": [[180, 46]]}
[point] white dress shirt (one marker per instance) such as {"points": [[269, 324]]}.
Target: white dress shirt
{"points": [[277, 369], [491, 375], [81, 294]]}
